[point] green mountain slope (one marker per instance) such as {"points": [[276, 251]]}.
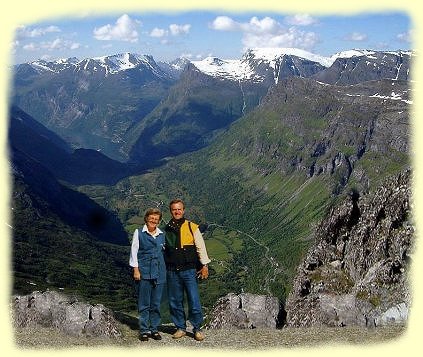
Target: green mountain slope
{"points": [[268, 180], [49, 253], [197, 109]]}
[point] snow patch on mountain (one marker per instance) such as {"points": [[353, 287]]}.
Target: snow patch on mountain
{"points": [[352, 53], [231, 69], [54, 66], [368, 53], [272, 54], [393, 96]]}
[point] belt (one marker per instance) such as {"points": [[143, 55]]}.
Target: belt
{"points": [[173, 267]]}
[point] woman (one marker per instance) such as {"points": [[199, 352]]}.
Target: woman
{"points": [[149, 272]]}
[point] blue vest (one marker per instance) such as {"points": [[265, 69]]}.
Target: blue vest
{"points": [[150, 257]]}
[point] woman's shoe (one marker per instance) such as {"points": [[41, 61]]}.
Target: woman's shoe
{"points": [[143, 337], [156, 336]]}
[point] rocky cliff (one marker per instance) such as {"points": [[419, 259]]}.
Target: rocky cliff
{"points": [[357, 271]]}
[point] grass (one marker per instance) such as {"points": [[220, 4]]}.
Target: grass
{"points": [[221, 245]]}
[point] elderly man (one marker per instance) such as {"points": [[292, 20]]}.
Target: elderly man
{"points": [[186, 260]]}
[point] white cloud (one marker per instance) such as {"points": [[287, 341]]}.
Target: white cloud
{"points": [[265, 26], [288, 38], [356, 36], [14, 46], [125, 29], [405, 36], [176, 30], [156, 32], [26, 32], [75, 45], [267, 32], [186, 55], [224, 23], [192, 56], [56, 44], [31, 47], [301, 20]]}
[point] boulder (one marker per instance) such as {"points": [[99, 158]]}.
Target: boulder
{"points": [[245, 311], [54, 310]]}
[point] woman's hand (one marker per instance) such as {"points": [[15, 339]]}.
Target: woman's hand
{"points": [[137, 274]]}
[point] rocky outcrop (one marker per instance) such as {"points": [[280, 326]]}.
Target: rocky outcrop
{"points": [[374, 65], [357, 271], [51, 309], [245, 311]]}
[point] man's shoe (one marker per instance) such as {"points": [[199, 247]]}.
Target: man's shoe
{"points": [[199, 336], [156, 336], [179, 333], [143, 337]]}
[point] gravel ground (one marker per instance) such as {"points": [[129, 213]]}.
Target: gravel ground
{"points": [[225, 339]]}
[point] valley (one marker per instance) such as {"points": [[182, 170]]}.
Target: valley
{"points": [[259, 160]]}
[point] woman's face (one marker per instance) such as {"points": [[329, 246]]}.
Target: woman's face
{"points": [[152, 222]]}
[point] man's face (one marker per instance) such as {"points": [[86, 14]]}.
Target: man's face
{"points": [[177, 210]]}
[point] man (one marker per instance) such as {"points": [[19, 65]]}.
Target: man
{"points": [[185, 251]]}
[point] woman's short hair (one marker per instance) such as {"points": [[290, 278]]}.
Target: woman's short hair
{"points": [[152, 211]]}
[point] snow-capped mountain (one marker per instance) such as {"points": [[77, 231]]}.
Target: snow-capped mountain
{"points": [[174, 68], [229, 69], [124, 61], [107, 65], [257, 64], [355, 66], [264, 64], [368, 53], [42, 66], [272, 54], [110, 96]]}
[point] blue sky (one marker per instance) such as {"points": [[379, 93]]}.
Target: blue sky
{"points": [[197, 35]]}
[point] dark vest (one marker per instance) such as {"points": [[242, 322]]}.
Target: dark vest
{"points": [[180, 253], [150, 257]]}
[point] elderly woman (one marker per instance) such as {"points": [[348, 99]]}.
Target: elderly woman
{"points": [[149, 272]]}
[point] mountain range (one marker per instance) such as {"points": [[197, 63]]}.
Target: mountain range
{"points": [[259, 148], [127, 105]]}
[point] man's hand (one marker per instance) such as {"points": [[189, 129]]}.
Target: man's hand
{"points": [[137, 274], [203, 273]]}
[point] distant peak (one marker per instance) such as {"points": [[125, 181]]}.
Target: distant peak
{"points": [[273, 53], [367, 53], [353, 53]]}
